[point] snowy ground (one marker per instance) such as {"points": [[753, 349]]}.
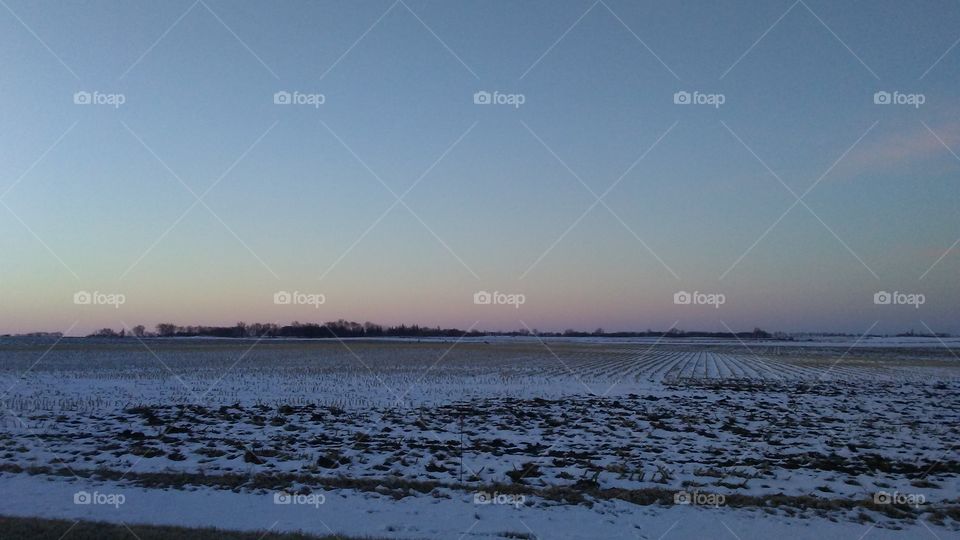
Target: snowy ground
{"points": [[506, 438], [433, 517]]}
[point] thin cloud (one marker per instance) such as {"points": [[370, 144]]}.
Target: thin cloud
{"points": [[907, 147]]}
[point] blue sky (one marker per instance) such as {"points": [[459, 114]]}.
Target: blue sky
{"points": [[103, 198]]}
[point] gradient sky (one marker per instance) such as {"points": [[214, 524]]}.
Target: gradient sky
{"points": [[97, 198]]}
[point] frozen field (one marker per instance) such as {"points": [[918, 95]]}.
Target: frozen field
{"points": [[488, 438]]}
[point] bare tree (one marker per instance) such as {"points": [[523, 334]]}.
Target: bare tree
{"points": [[166, 329]]}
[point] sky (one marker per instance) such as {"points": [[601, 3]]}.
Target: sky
{"points": [[630, 151]]}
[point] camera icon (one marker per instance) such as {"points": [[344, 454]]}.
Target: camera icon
{"points": [[681, 98], [682, 298], [681, 497], [82, 497], [482, 98], [881, 98], [482, 298], [882, 497], [882, 298], [82, 98], [82, 298], [281, 497], [282, 98], [282, 298], [481, 497]]}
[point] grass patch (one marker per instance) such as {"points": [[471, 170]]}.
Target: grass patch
{"points": [[21, 528]]}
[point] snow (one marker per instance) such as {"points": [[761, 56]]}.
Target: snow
{"points": [[755, 420], [344, 512]]}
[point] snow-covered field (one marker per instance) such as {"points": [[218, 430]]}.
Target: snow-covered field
{"points": [[488, 438]]}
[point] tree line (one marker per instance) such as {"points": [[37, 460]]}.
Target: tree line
{"points": [[350, 329]]}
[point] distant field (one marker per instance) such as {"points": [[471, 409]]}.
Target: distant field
{"points": [[105, 374], [815, 431]]}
